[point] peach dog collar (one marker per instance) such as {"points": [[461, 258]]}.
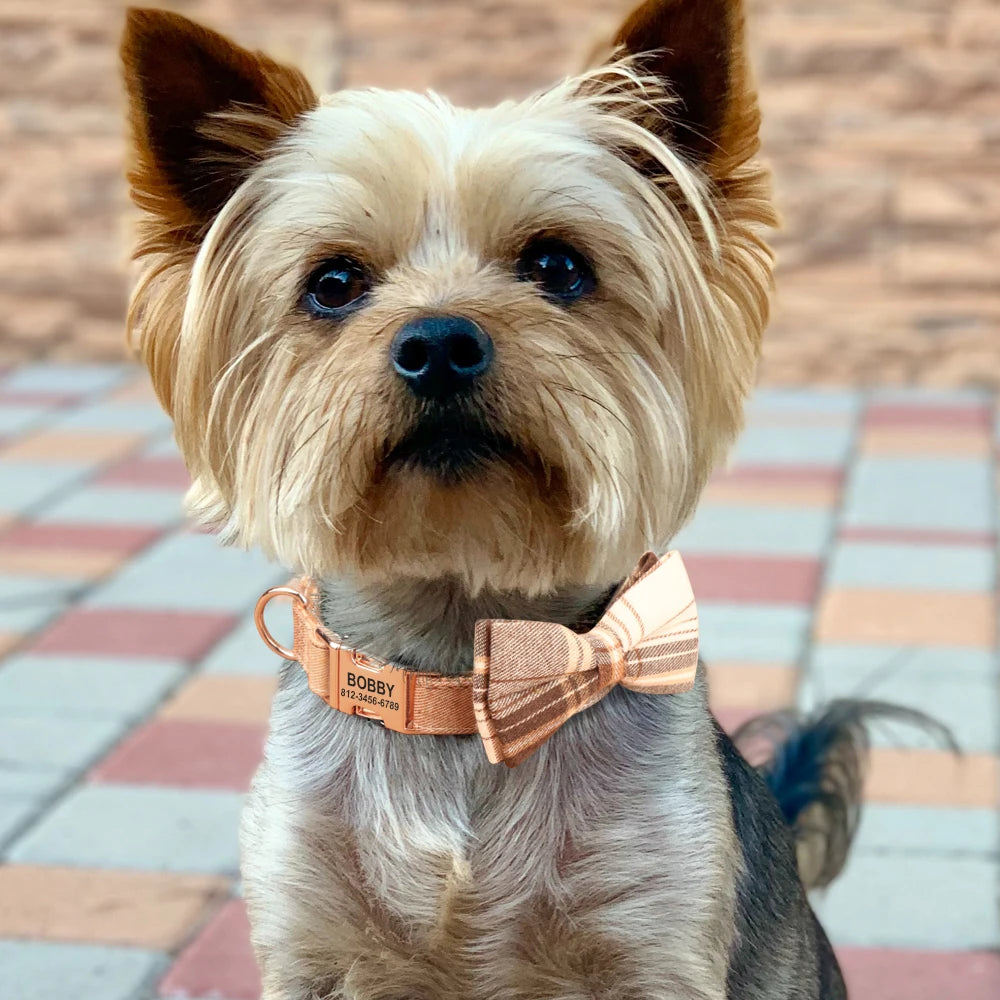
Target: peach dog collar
{"points": [[529, 677]]}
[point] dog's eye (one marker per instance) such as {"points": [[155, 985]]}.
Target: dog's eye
{"points": [[558, 269], [336, 286]]}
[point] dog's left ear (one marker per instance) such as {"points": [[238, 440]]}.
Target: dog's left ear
{"points": [[186, 160], [696, 48]]}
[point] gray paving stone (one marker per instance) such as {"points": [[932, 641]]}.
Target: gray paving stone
{"points": [[912, 567], [934, 493], [773, 633], [918, 395], [863, 663], [163, 447], [15, 814], [17, 590], [16, 419], [904, 901], [242, 651], [127, 826], [968, 707], [796, 401], [44, 740], [107, 416], [791, 531], [52, 377], [28, 484], [82, 686], [30, 781], [793, 444], [116, 505], [29, 617], [227, 579], [920, 829], [44, 970]]}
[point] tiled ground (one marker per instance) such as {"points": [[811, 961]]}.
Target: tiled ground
{"points": [[849, 549], [881, 117]]}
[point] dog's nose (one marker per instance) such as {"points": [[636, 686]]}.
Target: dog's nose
{"points": [[438, 356]]}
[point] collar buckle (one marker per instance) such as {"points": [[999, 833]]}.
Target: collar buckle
{"points": [[363, 685]]}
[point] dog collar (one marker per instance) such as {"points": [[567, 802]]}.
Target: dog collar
{"points": [[528, 677]]}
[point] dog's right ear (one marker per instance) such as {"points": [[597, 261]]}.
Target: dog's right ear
{"points": [[186, 158]]}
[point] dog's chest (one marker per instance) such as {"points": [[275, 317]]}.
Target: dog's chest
{"points": [[418, 856]]}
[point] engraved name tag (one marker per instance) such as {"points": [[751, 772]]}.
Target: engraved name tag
{"points": [[375, 690]]}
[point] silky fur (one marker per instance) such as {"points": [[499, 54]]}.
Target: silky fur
{"points": [[383, 866]]}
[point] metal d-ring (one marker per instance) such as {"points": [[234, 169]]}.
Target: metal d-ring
{"points": [[258, 618]]}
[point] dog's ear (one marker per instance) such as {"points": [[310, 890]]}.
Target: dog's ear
{"points": [[696, 49], [187, 159]]}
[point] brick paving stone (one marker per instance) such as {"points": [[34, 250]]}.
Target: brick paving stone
{"points": [[85, 686], [921, 830], [224, 699], [767, 633], [184, 635], [42, 739], [920, 493], [218, 962], [769, 530], [897, 901], [242, 652], [896, 974], [168, 472], [40, 970], [759, 687], [228, 579], [758, 579], [107, 417], [72, 447], [968, 708], [865, 663], [148, 829], [115, 505], [28, 484], [185, 753], [879, 441], [143, 909], [924, 617], [793, 444], [917, 567], [87, 537], [933, 778]]}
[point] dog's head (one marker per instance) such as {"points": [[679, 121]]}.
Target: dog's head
{"points": [[400, 338]]}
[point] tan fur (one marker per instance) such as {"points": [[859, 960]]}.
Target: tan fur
{"points": [[385, 867]]}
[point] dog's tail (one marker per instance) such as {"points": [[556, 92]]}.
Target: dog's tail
{"points": [[815, 766]]}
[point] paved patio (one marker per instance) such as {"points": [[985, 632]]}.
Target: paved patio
{"points": [[850, 548]]}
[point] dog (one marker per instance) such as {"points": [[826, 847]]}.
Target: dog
{"points": [[463, 365]]}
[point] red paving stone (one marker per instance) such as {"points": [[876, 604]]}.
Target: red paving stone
{"points": [[165, 472], [182, 635], [757, 579], [186, 754], [881, 974], [927, 417], [916, 536], [120, 539], [219, 963]]}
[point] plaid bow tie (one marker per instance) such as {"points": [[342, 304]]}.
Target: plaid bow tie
{"points": [[531, 677]]}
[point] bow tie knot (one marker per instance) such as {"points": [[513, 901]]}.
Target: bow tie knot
{"points": [[531, 677]]}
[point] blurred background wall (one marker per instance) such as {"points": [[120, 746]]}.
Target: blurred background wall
{"points": [[882, 121]]}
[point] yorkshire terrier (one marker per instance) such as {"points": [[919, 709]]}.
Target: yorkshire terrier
{"points": [[469, 364]]}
